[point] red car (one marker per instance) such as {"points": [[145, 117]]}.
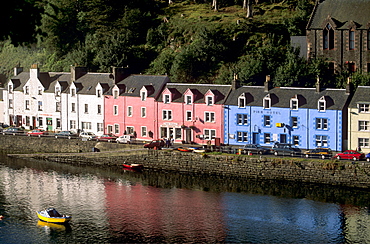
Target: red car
{"points": [[350, 154], [107, 138], [37, 132], [155, 143]]}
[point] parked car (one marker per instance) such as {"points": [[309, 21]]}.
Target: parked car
{"points": [[126, 139], [37, 132], [255, 149], [319, 152], [350, 154], [155, 143], [88, 136], [367, 157], [66, 134], [107, 138], [13, 131], [285, 149]]}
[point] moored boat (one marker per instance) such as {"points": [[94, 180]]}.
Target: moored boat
{"points": [[133, 166], [51, 215], [184, 149]]}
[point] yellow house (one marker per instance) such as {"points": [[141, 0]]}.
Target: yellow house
{"points": [[359, 120]]}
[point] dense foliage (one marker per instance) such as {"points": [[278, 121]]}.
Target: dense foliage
{"points": [[198, 41]]}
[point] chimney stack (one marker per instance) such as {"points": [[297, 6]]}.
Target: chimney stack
{"points": [[349, 86], [267, 83], [34, 71], [18, 70], [77, 72], [318, 88], [120, 73], [235, 84]]}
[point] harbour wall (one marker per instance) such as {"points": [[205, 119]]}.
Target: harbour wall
{"points": [[77, 152]]}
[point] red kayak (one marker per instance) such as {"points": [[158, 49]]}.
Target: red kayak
{"points": [[133, 166]]}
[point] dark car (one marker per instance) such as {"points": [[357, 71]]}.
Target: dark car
{"points": [[107, 138], [367, 157], [66, 134], [350, 154], [13, 131], [319, 152], [254, 149], [155, 143], [285, 149]]}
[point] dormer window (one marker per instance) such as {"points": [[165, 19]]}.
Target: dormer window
{"points": [[40, 91], [294, 104], [328, 39], [10, 89], [98, 93], [188, 99], [267, 102], [115, 94], [209, 100], [321, 105], [73, 92], [27, 90], [57, 91], [242, 101], [166, 98], [143, 95]]}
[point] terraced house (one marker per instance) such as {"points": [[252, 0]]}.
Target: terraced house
{"points": [[305, 117]]}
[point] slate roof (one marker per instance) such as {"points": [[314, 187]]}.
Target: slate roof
{"points": [[280, 97], [134, 83], [221, 91], [87, 83], [361, 96], [342, 12]]}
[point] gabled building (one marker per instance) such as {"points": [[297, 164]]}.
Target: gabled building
{"points": [[339, 31], [359, 120], [192, 112], [131, 107], [305, 117]]}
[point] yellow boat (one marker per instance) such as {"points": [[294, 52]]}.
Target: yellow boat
{"points": [[51, 215]]}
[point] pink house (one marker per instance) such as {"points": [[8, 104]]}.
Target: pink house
{"points": [[192, 112], [131, 106]]}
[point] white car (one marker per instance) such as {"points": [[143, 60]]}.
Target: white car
{"points": [[87, 136], [126, 139]]}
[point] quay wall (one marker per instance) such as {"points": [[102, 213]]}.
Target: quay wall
{"points": [[332, 172]]}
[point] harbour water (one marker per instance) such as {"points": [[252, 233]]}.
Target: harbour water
{"points": [[118, 206]]}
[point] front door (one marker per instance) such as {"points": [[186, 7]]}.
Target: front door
{"points": [[256, 138], [188, 135]]}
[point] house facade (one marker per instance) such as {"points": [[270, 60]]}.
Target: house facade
{"points": [[131, 107], [359, 120], [339, 31], [305, 117]]}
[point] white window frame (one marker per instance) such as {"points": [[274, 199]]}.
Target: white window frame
{"points": [[86, 125], [267, 102], [130, 130], [10, 103], [321, 141], [242, 136], [116, 128], [143, 95], [166, 114], [242, 101], [166, 98], [188, 99], [363, 125], [267, 120], [72, 124], [143, 112], [129, 111], [73, 92], [98, 92], [189, 115], [364, 142], [73, 107], [363, 108], [86, 108], [144, 131], [27, 104], [57, 106], [209, 117], [266, 138], [99, 108], [322, 124], [242, 119], [99, 127], [209, 134], [209, 100], [115, 94], [295, 140], [27, 90], [294, 121], [115, 109], [321, 105], [294, 104], [39, 106]]}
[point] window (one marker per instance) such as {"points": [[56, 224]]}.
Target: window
{"points": [[10, 89], [242, 119], [209, 134], [351, 67], [73, 92], [86, 108], [321, 124], [129, 111], [143, 112], [209, 100], [294, 104], [321, 105], [99, 127], [57, 91], [363, 108], [39, 105], [266, 138], [40, 91], [109, 129], [296, 140], [72, 124], [86, 125], [40, 122], [27, 104], [189, 116], [27, 90], [73, 107], [116, 128], [143, 131], [267, 102], [130, 130], [241, 102], [267, 120], [98, 93], [188, 100], [166, 98], [57, 107], [58, 123], [328, 37], [28, 120], [115, 94], [321, 141], [294, 122], [209, 116], [10, 103], [363, 142], [167, 115], [242, 136], [115, 109], [99, 109], [143, 95], [351, 40], [363, 125]]}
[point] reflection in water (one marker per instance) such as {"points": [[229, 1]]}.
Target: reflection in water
{"points": [[113, 205]]}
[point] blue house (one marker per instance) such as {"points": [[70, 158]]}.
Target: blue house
{"points": [[305, 117]]}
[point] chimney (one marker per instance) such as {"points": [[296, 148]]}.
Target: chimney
{"points": [[349, 86], [77, 72], [235, 84], [18, 70], [267, 83], [34, 71], [120, 73], [318, 88]]}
